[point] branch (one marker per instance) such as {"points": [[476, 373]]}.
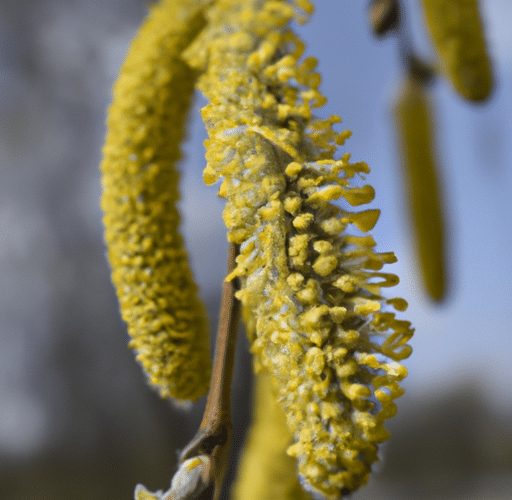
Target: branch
{"points": [[203, 462]]}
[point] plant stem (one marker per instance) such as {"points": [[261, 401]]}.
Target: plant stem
{"points": [[213, 438]]}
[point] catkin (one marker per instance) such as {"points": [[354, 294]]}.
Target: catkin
{"points": [[458, 35], [158, 297], [414, 126], [310, 279], [266, 471]]}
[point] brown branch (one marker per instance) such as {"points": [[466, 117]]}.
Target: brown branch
{"points": [[213, 438]]}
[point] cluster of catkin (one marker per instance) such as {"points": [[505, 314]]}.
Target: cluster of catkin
{"points": [[326, 345], [456, 30]]}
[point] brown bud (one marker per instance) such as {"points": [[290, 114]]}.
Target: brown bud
{"points": [[384, 16]]}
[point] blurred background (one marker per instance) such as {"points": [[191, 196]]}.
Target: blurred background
{"points": [[76, 417]]}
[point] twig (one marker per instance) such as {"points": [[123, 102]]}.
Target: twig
{"points": [[203, 462]]}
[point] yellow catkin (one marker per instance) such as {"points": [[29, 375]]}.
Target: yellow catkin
{"points": [[415, 131], [310, 282], [158, 297], [458, 35], [265, 470]]}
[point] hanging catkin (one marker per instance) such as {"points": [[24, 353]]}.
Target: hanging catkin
{"points": [[146, 122]]}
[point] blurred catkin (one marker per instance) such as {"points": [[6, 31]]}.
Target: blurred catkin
{"points": [[416, 138], [265, 470], [146, 123], [458, 35]]}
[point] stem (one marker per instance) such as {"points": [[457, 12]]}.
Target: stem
{"points": [[213, 438], [218, 406]]}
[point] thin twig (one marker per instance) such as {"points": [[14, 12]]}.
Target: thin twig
{"points": [[213, 439]]}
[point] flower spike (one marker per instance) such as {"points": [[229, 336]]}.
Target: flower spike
{"points": [[266, 471], [414, 125], [310, 279], [458, 36], [158, 297]]}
